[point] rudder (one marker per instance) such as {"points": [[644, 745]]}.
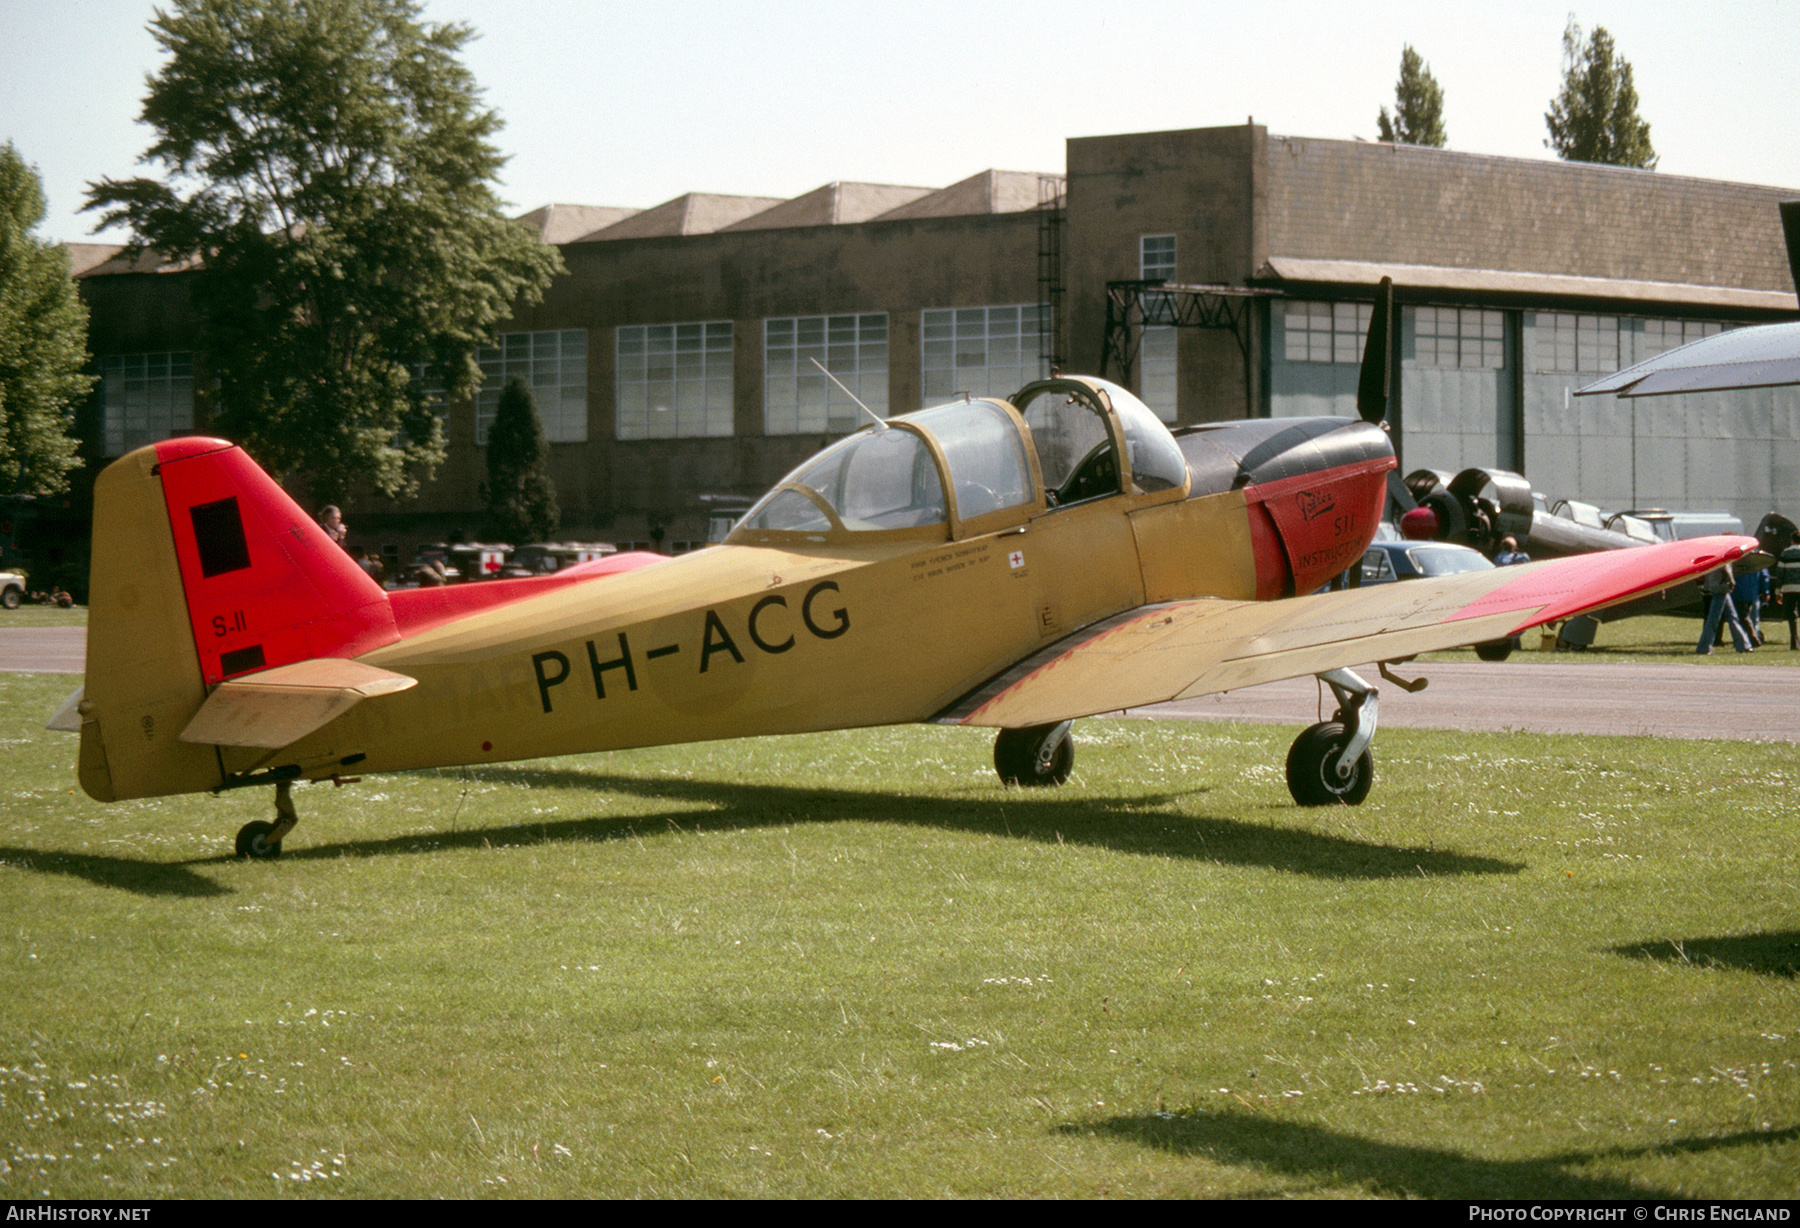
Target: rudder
{"points": [[203, 569]]}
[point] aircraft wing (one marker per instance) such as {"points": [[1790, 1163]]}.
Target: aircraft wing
{"points": [[1764, 356], [1187, 648]]}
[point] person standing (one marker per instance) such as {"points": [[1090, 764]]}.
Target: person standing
{"points": [[1787, 590], [332, 521], [1752, 587], [1717, 586]]}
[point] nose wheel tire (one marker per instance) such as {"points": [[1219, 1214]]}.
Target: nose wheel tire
{"points": [[253, 841], [1035, 756], [1312, 763]]}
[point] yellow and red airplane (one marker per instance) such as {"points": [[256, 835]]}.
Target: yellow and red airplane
{"points": [[1014, 564]]}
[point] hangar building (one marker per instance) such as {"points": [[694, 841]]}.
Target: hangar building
{"points": [[671, 361]]}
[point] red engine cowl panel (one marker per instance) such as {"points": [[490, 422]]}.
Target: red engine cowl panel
{"points": [[1324, 521]]}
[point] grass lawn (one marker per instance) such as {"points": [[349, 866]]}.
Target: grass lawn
{"points": [[1652, 638], [43, 616], [854, 965]]}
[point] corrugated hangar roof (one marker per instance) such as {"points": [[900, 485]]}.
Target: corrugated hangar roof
{"points": [[567, 223], [692, 213], [831, 205], [1537, 285]]}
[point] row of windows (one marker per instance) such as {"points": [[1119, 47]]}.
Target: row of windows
{"points": [[1475, 339], [1460, 337], [675, 380], [552, 364], [148, 397], [979, 350], [672, 380], [1325, 332], [798, 397], [1599, 345]]}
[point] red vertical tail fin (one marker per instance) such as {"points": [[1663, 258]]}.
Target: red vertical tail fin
{"points": [[265, 586], [203, 569]]}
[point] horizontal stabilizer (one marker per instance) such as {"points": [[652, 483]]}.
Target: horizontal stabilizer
{"points": [[67, 719], [277, 707]]}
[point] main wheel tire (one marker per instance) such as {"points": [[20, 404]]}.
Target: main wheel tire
{"points": [[10, 598], [1309, 778], [1494, 650], [253, 841], [1023, 756]]}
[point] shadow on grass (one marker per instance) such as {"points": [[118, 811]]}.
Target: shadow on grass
{"points": [[1143, 824], [1332, 1158], [1775, 954], [127, 874]]}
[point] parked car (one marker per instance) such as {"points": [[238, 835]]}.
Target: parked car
{"points": [[12, 589], [1386, 562], [1389, 562]]}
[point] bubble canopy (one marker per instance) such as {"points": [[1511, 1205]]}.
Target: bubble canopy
{"points": [[972, 465]]}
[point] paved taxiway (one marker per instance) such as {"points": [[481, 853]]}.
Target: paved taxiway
{"points": [[1669, 700], [1673, 700], [42, 650]]}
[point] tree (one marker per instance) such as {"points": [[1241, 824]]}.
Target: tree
{"points": [[328, 163], [43, 342], [1418, 105], [521, 498], [1595, 117]]}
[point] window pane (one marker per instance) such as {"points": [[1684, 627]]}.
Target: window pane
{"points": [[554, 366], [984, 351], [797, 397], [668, 385]]}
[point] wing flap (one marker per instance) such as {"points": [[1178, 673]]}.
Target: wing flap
{"points": [[1188, 648], [277, 707]]}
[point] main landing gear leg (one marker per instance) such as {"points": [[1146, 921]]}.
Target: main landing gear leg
{"points": [[263, 840], [1330, 762]]}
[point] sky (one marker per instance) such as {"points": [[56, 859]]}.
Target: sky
{"points": [[632, 104]]}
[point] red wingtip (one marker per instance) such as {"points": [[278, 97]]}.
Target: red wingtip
{"points": [[1563, 588]]}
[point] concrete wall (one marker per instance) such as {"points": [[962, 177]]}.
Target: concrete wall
{"points": [[1205, 187]]}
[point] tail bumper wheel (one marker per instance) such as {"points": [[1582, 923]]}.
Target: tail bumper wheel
{"points": [[261, 841], [254, 844]]}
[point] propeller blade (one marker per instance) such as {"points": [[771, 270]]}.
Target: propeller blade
{"points": [[1372, 384], [1399, 492]]}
